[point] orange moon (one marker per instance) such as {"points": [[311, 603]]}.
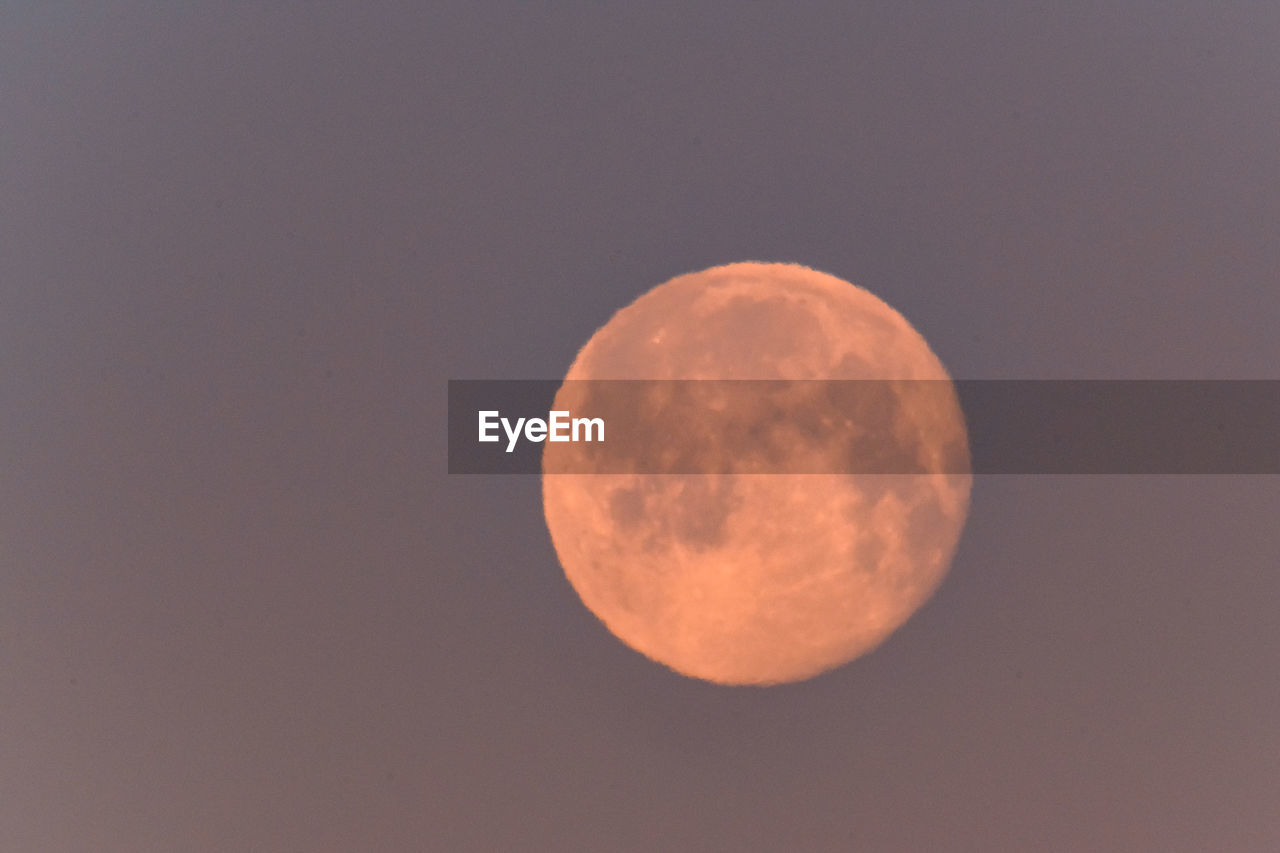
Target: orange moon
{"points": [[750, 578]]}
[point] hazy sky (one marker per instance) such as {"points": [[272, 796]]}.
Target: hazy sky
{"points": [[243, 247]]}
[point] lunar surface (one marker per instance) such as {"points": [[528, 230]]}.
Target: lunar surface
{"points": [[747, 576]]}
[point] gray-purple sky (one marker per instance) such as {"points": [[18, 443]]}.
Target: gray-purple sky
{"points": [[243, 247]]}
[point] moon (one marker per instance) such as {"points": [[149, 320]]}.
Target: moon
{"points": [[763, 578]]}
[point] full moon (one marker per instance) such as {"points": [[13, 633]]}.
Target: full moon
{"points": [[763, 578]]}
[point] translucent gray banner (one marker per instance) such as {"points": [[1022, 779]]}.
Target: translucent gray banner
{"points": [[864, 426]]}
